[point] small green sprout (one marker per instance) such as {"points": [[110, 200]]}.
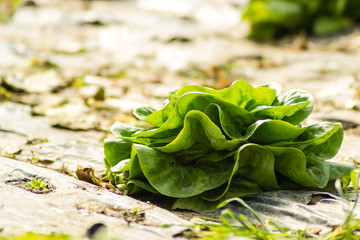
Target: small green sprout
{"points": [[36, 183]]}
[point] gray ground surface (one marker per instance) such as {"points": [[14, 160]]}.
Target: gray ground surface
{"points": [[55, 58], [71, 206]]}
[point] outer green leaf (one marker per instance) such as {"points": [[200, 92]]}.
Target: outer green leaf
{"points": [[293, 107], [292, 163], [329, 146], [219, 192], [143, 112], [123, 130], [315, 135], [318, 133], [135, 170], [338, 170], [196, 204], [159, 117], [278, 112], [231, 120], [140, 183], [297, 98], [271, 131], [172, 179], [241, 187], [279, 92], [198, 128], [184, 104], [256, 164], [238, 188], [132, 189], [127, 132], [318, 170], [116, 151], [286, 183]]}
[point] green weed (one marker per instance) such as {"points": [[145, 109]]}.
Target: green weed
{"points": [[232, 225], [36, 183]]}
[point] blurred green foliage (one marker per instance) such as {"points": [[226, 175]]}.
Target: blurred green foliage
{"points": [[37, 236], [7, 9], [272, 19]]}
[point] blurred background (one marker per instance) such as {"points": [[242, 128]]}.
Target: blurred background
{"points": [[82, 65]]}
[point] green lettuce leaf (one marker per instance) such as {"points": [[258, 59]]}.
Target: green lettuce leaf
{"points": [[256, 164], [171, 178], [117, 151]]}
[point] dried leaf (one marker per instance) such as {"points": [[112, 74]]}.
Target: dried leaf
{"points": [[87, 174]]}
